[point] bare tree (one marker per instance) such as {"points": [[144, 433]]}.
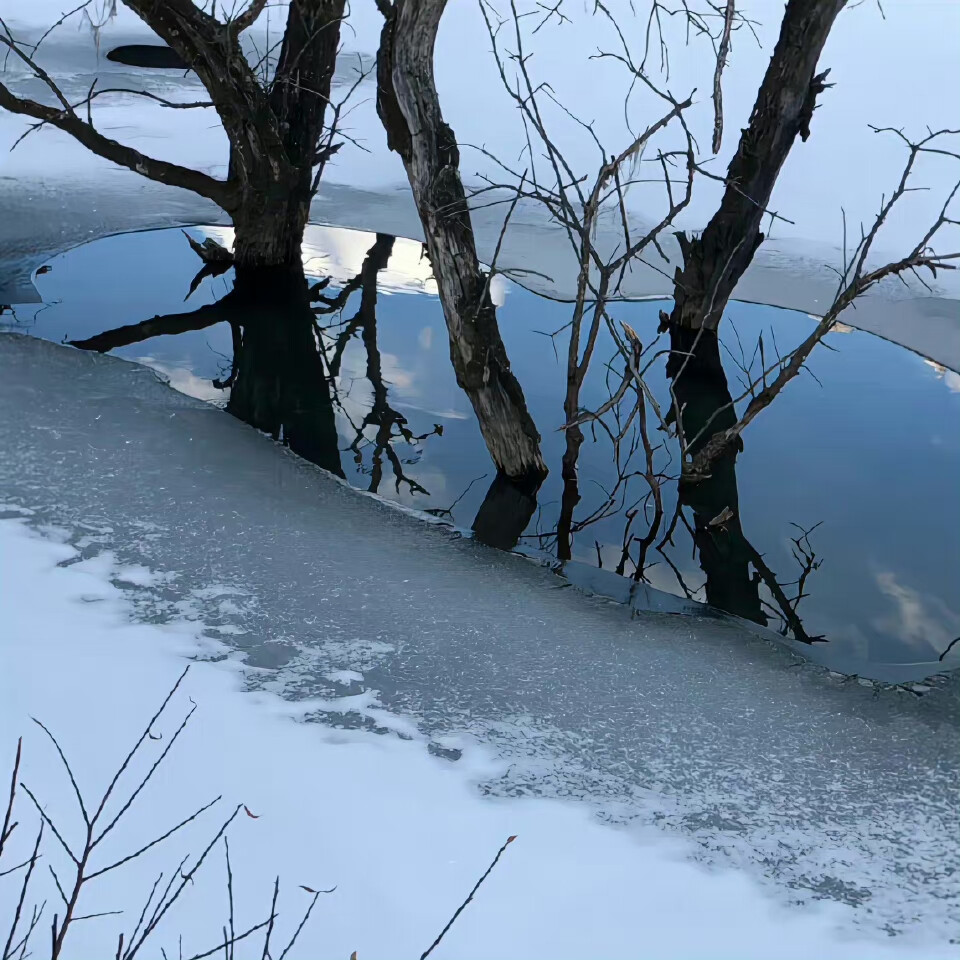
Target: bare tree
{"points": [[88, 861], [409, 108], [698, 417], [281, 124], [715, 261], [855, 279]]}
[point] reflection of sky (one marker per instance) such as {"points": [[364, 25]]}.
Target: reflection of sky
{"points": [[339, 254], [950, 378], [872, 450]]}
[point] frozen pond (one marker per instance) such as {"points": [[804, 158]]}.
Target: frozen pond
{"points": [[844, 495]]}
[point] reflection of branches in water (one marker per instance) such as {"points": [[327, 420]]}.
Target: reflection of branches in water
{"points": [[390, 425], [623, 419], [282, 376], [9, 308], [737, 578], [277, 379], [447, 512], [236, 338]]}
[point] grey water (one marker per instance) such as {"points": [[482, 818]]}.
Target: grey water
{"points": [[843, 539]]}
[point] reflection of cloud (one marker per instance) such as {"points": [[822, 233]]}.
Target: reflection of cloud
{"points": [[920, 619], [425, 338], [355, 390], [950, 378], [185, 381], [339, 254], [498, 290], [441, 413]]}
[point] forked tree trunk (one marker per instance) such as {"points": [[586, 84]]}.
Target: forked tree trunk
{"points": [[409, 108], [714, 262]]}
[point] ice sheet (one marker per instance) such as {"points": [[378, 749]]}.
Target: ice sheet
{"points": [[818, 787]]}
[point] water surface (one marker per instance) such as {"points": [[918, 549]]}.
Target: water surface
{"points": [[837, 521]]}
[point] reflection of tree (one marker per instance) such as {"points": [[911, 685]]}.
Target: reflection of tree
{"points": [[505, 512], [389, 423], [737, 577], [278, 383], [734, 569], [284, 367]]}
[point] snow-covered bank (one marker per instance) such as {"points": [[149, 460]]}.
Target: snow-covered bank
{"points": [[402, 834], [815, 788]]}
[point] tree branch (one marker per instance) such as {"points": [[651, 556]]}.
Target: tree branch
{"points": [[247, 18], [219, 191]]}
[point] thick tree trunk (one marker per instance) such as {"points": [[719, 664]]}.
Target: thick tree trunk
{"points": [[409, 108], [269, 225], [714, 262], [275, 182]]}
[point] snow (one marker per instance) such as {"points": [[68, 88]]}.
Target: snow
{"points": [[401, 834], [677, 784]]}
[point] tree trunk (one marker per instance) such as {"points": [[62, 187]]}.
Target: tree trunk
{"points": [[409, 108], [276, 182], [714, 262], [269, 225]]}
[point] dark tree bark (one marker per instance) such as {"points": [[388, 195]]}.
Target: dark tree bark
{"points": [[714, 262], [409, 108], [279, 384], [274, 129]]}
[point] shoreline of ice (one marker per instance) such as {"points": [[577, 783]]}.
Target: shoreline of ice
{"points": [[808, 784], [45, 218]]}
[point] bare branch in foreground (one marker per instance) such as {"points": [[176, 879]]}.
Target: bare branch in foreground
{"points": [[426, 953]]}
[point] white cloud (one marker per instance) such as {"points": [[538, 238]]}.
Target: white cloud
{"points": [[922, 620]]}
